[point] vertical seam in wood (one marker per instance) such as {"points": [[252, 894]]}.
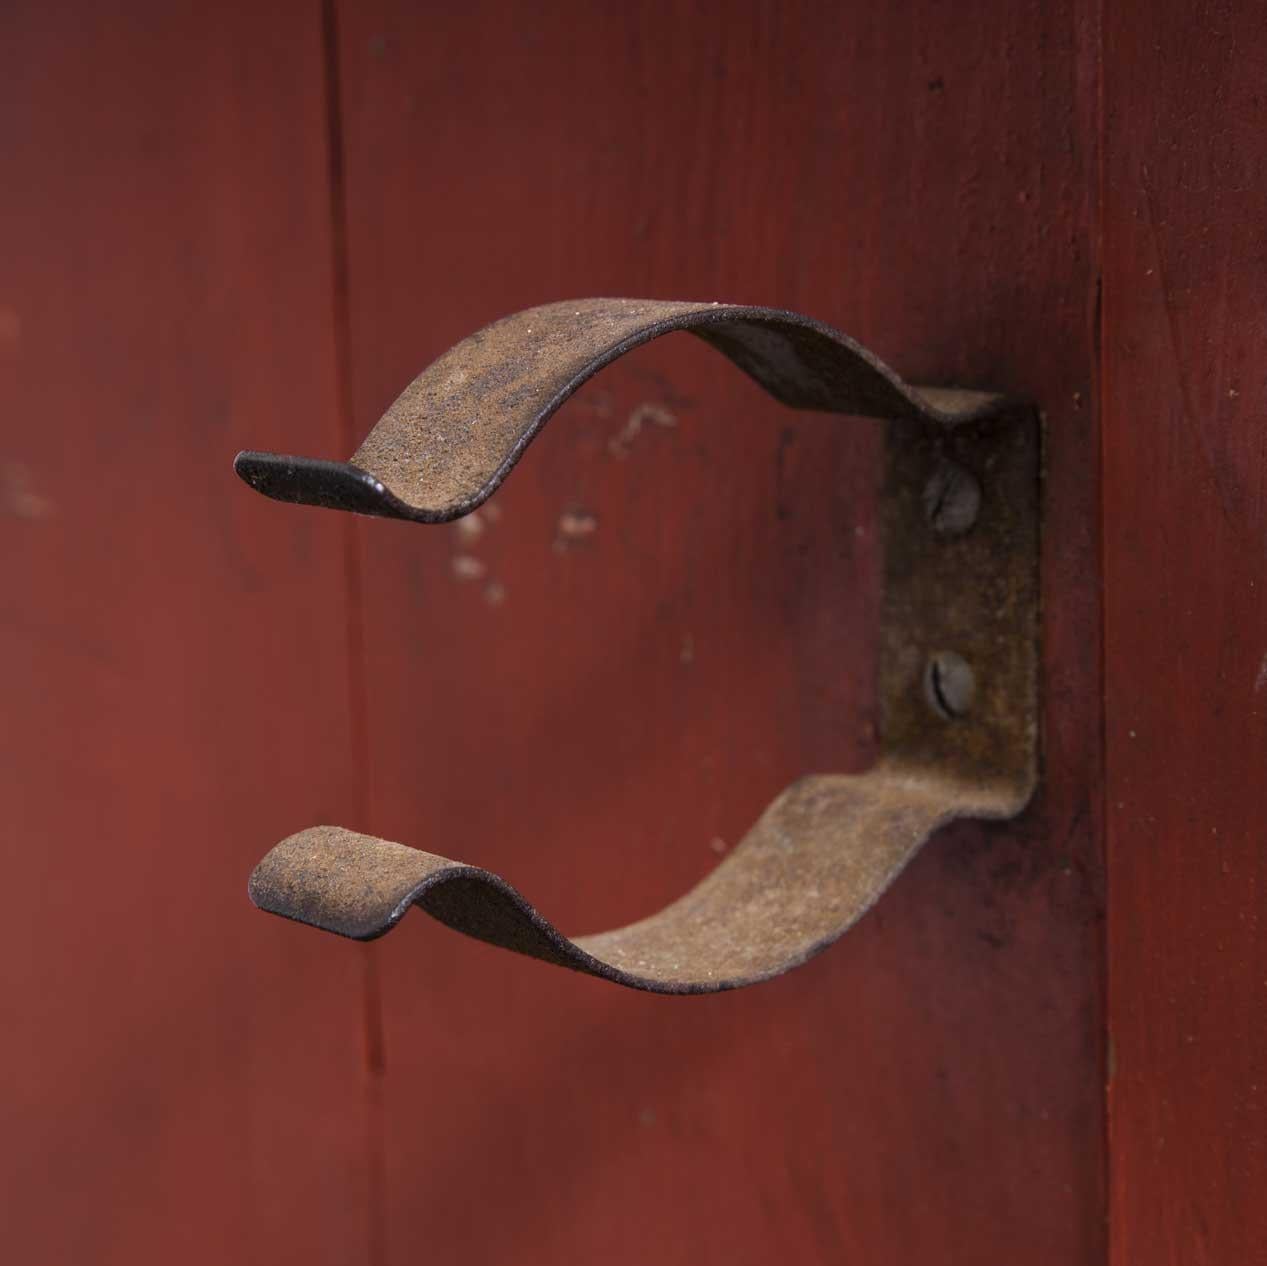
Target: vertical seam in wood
{"points": [[372, 1018], [1098, 403]]}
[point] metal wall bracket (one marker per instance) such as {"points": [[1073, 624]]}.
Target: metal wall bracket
{"points": [[959, 631]]}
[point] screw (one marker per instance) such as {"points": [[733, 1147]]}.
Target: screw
{"points": [[949, 685], [952, 499]]}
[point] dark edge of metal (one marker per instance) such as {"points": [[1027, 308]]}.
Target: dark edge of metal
{"points": [[830, 845]]}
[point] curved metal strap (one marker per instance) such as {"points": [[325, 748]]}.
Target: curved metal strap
{"points": [[454, 433], [825, 849], [814, 863]]}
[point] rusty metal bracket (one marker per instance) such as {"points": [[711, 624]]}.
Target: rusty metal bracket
{"points": [[958, 665]]}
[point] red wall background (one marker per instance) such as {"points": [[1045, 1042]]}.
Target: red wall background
{"points": [[249, 226]]}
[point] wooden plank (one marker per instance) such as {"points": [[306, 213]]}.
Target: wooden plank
{"points": [[183, 1078], [1186, 610], [593, 714]]}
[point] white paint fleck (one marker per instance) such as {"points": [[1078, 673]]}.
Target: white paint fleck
{"points": [[470, 528], [494, 593], [18, 496], [468, 567], [575, 527], [641, 414]]}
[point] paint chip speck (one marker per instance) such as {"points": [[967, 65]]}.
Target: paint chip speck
{"points": [[467, 567], [18, 496], [470, 528], [639, 416], [574, 528]]}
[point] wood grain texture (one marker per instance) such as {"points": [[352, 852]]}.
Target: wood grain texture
{"points": [[183, 1080], [1186, 607], [672, 615]]}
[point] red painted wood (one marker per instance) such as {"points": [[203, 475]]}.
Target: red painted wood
{"points": [[588, 716], [183, 1079], [598, 712], [1186, 610]]}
